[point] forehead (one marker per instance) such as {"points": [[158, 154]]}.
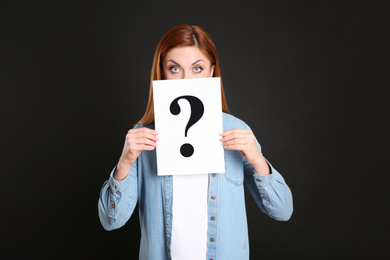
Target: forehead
{"points": [[185, 54]]}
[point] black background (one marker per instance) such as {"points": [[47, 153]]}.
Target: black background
{"points": [[309, 78]]}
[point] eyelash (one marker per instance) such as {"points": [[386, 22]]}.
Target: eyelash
{"points": [[175, 67], [198, 67]]}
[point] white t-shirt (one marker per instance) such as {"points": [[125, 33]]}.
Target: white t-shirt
{"points": [[189, 212]]}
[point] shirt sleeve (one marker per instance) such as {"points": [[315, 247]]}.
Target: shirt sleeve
{"points": [[118, 200], [270, 192]]}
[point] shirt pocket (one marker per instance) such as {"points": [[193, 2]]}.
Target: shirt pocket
{"points": [[234, 170]]}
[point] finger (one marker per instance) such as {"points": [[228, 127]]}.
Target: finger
{"points": [[238, 147], [133, 143], [235, 135], [235, 142], [141, 141], [143, 147], [143, 134], [147, 136]]}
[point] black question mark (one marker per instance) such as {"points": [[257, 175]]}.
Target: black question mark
{"points": [[197, 110]]}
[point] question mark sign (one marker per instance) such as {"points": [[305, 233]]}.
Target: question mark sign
{"points": [[197, 110]]}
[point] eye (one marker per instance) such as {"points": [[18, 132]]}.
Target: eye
{"points": [[174, 69], [198, 69]]}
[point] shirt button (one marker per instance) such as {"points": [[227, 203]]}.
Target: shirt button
{"points": [[113, 206], [212, 218], [213, 197], [263, 197], [258, 180], [212, 239], [214, 174]]}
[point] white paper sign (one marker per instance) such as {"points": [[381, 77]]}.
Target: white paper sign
{"points": [[188, 115]]}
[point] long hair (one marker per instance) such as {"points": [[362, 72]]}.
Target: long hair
{"points": [[183, 35]]}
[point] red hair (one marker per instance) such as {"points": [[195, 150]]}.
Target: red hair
{"points": [[183, 35]]}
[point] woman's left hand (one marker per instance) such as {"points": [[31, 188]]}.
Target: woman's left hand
{"points": [[244, 141]]}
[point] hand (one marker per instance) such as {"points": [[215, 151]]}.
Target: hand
{"points": [[244, 141], [137, 140]]}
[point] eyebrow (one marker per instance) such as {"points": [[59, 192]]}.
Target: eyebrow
{"points": [[198, 61], [180, 65], [173, 62]]}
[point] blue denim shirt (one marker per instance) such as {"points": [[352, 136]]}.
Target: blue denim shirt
{"points": [[227, 232]]}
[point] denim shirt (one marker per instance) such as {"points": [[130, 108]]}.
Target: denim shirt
{"points": [[227, 231]]}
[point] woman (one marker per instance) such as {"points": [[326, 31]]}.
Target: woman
{"points": [[196, 216]]}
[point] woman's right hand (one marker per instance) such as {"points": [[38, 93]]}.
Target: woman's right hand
{"points": [[137, 140]]}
